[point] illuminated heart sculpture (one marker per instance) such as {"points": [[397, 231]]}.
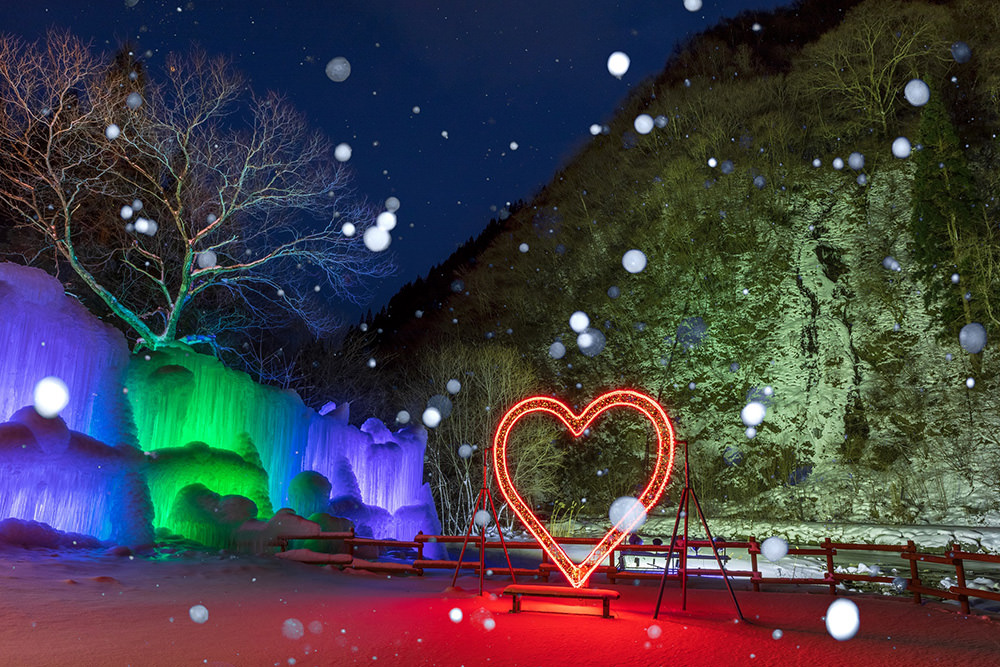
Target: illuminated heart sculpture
{"points": [[577, 574]]}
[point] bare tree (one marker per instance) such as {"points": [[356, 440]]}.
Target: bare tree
{"points": [[856, 73], [161, 196], [493, 378]]}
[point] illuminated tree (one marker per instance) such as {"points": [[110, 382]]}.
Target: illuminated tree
{"points": [[944, 221], [855, 74], [241, 204]]}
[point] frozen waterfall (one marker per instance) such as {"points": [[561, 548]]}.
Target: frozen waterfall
{"points": [[210, 434], [43, 332]]}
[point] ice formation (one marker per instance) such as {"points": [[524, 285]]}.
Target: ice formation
{"points": [[171, 471], [309, 493], [181, 397], [45, 333], [373, 470], [203, 515], [220, 449], [72, 482], [76, 471]]}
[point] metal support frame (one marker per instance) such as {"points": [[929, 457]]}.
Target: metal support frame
{"points": [[484, 497], [687, 495]]}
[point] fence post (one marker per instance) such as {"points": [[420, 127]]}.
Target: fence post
{"points": [[753, 549], [829, 564], [960, 575], [914, 573]]}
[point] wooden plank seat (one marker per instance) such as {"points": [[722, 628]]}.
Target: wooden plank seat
{"points": [[605, 595]]}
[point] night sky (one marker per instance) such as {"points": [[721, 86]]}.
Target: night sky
{"points": [[438, 91]]}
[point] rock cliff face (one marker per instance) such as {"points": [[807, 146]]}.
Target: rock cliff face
{"points": [[805, 296], [795, 230]]}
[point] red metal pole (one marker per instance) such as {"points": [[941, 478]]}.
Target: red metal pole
{"points": [[684, 546], [829, 564], [914, 573], [503, 543], [960, 575]]}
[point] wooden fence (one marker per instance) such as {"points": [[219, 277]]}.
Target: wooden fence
{"points": [[361, 553]]}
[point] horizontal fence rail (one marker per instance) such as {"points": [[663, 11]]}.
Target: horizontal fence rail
{"points": [[362, 552]]}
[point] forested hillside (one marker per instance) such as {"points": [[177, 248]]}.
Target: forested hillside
{"points": [[815, 236]]}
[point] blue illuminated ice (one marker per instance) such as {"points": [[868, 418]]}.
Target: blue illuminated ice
{"points": [[44, 333]]}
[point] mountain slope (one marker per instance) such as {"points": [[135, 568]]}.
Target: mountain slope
{"points": [[768, 279]]}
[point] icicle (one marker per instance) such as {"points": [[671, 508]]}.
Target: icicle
{"points": [[87, 488], [44, 333], [180, 397]]}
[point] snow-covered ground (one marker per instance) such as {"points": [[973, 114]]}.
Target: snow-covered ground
{"points": [[184, 607]]}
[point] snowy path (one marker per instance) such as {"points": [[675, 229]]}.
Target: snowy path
{"points": [[61, 609]]}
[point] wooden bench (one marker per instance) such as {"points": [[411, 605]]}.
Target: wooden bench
{"points": [[517, 591]]}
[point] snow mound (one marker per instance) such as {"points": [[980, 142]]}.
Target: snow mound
{"points": [[34, 534]]}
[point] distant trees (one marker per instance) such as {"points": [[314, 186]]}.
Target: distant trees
{"points": [[943, 220], [493, 378], [855, 74], [168, 196]]}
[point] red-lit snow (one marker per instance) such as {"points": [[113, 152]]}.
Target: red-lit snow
{"points": [[68, 608]]}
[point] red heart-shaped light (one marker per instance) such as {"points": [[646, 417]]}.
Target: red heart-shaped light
{"points": [[577, 574]]}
